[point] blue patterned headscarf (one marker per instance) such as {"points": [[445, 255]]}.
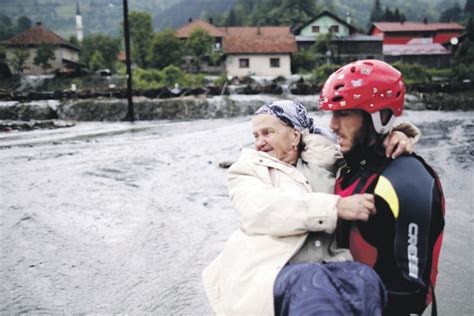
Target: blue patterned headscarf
{"points": [[294, 114]]}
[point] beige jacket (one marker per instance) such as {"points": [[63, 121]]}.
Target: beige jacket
{"points": [[277, 207]]}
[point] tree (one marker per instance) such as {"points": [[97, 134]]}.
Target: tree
{"points": [[232, 19], [469, 8], [166, 49], [388, 15], [451, 14], [376, 14], [23, 24], [97, 61], [303, 60], [324, 46], [141, 33], [17, 61], [199, 44], [397, 16], [74, 41], [6, 27], [297, 12], [44, 54], [109, 47], [464, 57]]}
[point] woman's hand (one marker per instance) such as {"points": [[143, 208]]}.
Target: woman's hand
{"points": [[357, 207], [396, 144]]}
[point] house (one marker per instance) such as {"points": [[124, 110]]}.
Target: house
{"points": [[432, 55], [413, 42], [403, 32], [261, 51], [66, 55], [209, 65], [185, 31], [351, 45]]}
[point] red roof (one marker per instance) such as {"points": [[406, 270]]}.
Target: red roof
{"points": [[185, 31], [246, 39], [121, 56], [416, 26], [39, 35], [268, 39]]}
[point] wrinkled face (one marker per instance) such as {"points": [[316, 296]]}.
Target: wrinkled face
{"points": [[275, 138], [346, 125]]}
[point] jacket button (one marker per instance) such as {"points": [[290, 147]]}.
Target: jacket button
{"points": [[317, 244]]}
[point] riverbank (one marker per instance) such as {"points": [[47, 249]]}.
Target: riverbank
{"points": [[195, 107]]}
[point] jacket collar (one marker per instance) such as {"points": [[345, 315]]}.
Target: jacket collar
{"points": [[264, 159]]}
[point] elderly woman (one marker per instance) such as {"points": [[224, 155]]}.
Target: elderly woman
{"points": [[283, 259]]}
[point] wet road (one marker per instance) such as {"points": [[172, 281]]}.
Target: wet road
{"points": [[109, 218]]}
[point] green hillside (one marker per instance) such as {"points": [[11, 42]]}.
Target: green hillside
{"points": [[106, 15]]}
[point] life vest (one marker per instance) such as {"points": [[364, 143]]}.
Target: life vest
{"points": [[402, 241]]}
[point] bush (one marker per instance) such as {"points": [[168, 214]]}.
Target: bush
{"points": [[193, 80], [171, 75], [413, 73], [303, 61], [320, 74], [221, 80], [146, 79], [444, 73], [463, 72], [168, 77]]}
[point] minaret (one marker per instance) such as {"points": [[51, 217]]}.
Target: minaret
{"points": [[79, 28]]}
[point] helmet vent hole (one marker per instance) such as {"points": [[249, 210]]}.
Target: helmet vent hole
{"points": [[339, 70], [368, 63], [337, 98], [353, 69], [339, 87], [398, 94]]}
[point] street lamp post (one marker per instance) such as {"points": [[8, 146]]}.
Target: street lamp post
{"points": [[130, 115]]}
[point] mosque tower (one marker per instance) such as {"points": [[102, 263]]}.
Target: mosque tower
{"points": [[79, 28]]}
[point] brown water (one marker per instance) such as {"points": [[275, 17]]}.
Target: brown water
{"points": [[117, 218]]}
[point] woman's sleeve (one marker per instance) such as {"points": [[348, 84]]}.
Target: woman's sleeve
{"points": [[265, 210], [320, 151], [410, 130]]}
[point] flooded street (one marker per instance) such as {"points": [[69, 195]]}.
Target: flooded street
{"points": [[106, 218]]}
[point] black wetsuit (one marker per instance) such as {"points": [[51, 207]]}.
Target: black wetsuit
{"points": [[402, 240]]}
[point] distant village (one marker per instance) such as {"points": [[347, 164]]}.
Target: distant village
{"points": [[240, 51]]}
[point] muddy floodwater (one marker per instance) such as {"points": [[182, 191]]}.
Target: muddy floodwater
{"points": [[119, 218]]}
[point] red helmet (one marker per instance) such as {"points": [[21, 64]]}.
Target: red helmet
{"points": [[368, 85]]}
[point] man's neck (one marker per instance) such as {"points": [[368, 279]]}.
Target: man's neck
{"points": [[361, 157]]}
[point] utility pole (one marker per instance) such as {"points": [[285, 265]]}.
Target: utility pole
{"points": [[130, 116]]}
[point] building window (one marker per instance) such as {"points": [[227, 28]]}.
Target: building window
{"points": [[274, 62], [334, 28], [315, 28], [244, 63]]}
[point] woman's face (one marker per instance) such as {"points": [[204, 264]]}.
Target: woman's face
{"points": [[275, 138]]}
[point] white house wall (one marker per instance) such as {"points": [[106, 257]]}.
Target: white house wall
{"points": [[325, 23], [68, 54], [259, 65], [57, 64]]}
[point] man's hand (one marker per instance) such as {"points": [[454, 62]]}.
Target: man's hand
{"points": [[396, 144], [357, 207]]}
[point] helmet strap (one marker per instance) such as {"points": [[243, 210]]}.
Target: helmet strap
{"points": [[379, 127]]}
